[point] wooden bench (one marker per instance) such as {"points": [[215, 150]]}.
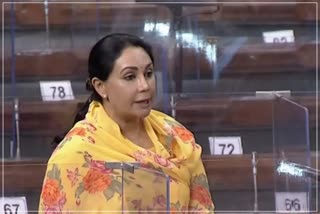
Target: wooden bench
{"points": [[69, 64], [77, 15], [251, 60], [41, 118], [254, 12], [234, 113], [32, 14], [226, 174], [250, 118], [49, 63]]}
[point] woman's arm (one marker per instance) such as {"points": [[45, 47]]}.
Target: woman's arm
{"points": [[200, 197], [75, 181]]}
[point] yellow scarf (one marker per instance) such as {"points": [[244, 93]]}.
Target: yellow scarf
{"points": [[78, 177]]}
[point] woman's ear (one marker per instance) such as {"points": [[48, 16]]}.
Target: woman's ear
{"points": [[99, 87]]}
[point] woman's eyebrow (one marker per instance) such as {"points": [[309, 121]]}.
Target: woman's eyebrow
{"points": [[148, 65], [129, 67], [135, 68]]}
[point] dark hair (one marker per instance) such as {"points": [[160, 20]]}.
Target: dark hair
{"points": [[100, 64]]}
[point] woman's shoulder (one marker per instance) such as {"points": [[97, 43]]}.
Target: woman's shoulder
{"points": [[166, 120], [165, 117], [74, 142]]}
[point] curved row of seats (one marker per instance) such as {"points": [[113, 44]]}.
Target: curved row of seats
{"points": [[33, 13], [196, 113], [250, 59], [225, 174]]}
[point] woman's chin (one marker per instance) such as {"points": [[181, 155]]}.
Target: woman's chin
{"points": [[143, 113]]}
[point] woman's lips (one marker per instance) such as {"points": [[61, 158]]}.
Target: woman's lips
{"points": [[144, 103]]}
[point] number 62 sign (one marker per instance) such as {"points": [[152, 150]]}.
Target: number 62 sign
{"points": [[13, 205]]}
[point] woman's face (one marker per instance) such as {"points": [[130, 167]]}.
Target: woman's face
{"points": [[131, 85]]}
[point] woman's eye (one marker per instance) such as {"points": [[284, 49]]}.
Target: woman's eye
{"points": [[129, 77], [149, 74]]}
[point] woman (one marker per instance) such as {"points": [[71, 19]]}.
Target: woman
{"points": [[117, 124]]}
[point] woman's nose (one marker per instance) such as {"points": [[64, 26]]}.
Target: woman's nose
{"points": [[143, 84]]}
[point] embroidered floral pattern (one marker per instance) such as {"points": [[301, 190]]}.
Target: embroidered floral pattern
{"points": [[61, 144], [201, 194], [79, 131], [91, 178], [163, 161], [90, 126], [147, 158], [200, 191], [142, 156], [175, 129], [91, 140], [176, 208], [98, 179], [73, 176], [53, 198], [183, 133], [159, 202], [51, 192]]}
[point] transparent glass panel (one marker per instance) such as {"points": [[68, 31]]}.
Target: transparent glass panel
{"points": [[118, 187], [152, 185], [241, 115], [49, 42], [293, 169], [237, 47]]}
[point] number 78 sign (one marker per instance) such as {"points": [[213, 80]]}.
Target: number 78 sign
{"points": [[56, 90]]}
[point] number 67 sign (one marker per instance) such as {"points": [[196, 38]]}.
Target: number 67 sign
{"points": [[13, 205]]}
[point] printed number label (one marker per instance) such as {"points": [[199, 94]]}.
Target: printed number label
{"points": [[56, 91], [13, 205], [291, 201], [282, 36], [225, 145]]}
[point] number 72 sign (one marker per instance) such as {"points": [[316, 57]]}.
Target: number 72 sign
{"points": [[225, 145], [13, 205]]}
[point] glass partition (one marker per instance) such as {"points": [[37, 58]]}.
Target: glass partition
{"points": [[120, 188], [217, 65], [234, 47], [230, 60], [293, 171], [47, 48], [152, 186]]}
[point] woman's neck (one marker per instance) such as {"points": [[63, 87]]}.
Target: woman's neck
{"points": [[128, 126], [131, 127]]}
